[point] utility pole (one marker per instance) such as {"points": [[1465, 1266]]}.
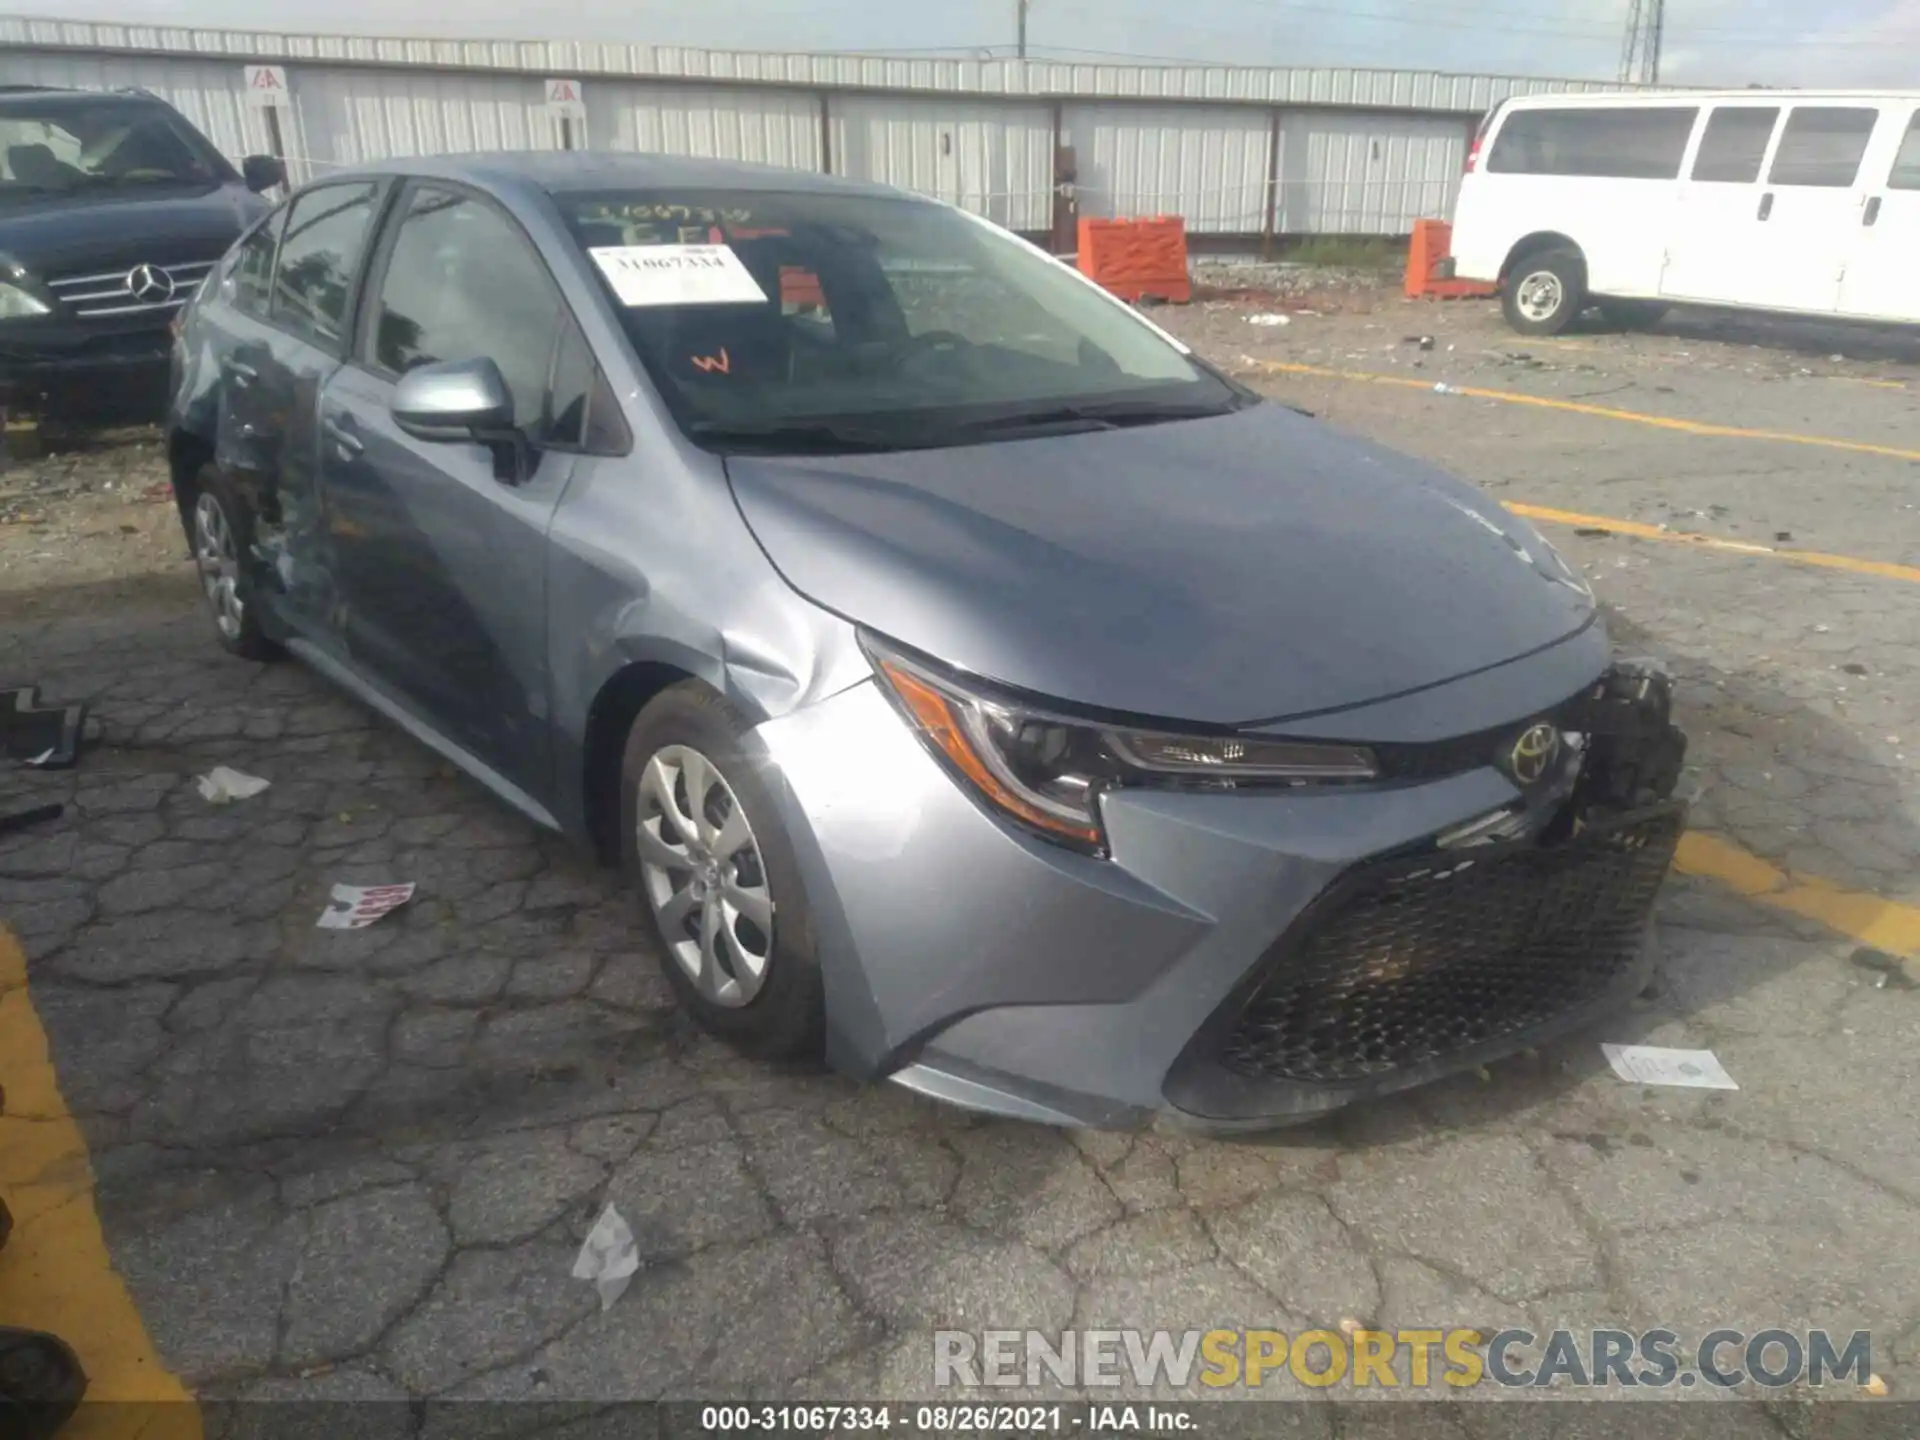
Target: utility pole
{"points": [[1020, 13], [1646, 30]]}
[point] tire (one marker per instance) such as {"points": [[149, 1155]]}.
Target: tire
{"points": [[1632, 314], [1545, 292], [220, 532], [776, 1012]]}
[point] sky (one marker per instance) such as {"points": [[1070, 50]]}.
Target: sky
{"points": [[1721, 42]]}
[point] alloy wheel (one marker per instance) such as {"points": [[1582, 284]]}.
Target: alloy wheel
{"points": [[219, 562], [704, 875], [1540, 296]]}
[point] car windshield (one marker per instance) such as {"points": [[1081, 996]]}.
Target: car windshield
{"points": [[58, 146], [807, 322]]}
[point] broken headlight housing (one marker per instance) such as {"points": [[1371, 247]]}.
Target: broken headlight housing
{"points": [[1047, 771]]}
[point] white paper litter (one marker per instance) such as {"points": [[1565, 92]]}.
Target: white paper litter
{"points": [[677, 275], [1656, 1065], [609, 1258], [40, 759], [354, 907], [1269, 319], [220, 785]]}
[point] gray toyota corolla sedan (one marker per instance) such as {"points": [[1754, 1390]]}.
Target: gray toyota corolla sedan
{"points": [[978, 687]]}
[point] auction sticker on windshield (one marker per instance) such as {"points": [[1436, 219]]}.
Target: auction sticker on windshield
{"points": [[644, 275]]}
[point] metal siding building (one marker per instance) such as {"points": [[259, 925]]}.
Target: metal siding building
{"points": [[994, 157], [1238, 151], [1207, 163]]}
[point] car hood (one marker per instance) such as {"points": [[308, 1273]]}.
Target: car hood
{"points": [[70, 235], [1251, 568]]}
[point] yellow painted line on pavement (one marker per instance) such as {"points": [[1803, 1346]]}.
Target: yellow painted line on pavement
{"points": [[1863, 380], [1884, 924], [1604, 412], [55, 1273], [1883, 569]]}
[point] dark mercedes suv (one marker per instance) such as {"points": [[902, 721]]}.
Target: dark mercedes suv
{"points": [[112, 210]]}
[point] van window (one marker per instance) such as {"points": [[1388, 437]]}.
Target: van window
{"points": [[1624, 144], [1906, 165], [1823, 146], [1735, 144]]}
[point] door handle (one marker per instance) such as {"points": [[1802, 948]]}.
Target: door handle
{"points": [[1766, 205], [1872, 217], [346, 444]]}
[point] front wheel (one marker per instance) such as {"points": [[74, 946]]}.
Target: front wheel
{"points": [[1545, 292], [703, 840]]}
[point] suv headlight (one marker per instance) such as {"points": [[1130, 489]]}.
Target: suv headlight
{"points": [[18, 303], [18, 299], [1047, 771]]}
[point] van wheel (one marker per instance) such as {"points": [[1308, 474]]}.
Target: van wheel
{"points": [[220, 529], [1545, 292], [1632, 314], [702, 839]]}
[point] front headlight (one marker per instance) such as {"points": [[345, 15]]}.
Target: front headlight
{"points": [[1048, 770], [17, 303]]}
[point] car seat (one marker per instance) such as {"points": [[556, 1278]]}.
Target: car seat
{"points": [[37, 165]]}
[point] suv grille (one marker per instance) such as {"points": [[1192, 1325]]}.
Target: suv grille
{"points": [[136, 290], [1413, 960]]}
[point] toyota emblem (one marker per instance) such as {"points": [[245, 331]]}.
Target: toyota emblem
{"points": [[149, 284], [1533, 754]]}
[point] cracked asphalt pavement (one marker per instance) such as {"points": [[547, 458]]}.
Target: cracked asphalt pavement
{"points": [[358, 1165]]}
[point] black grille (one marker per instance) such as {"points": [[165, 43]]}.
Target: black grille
{"points": [[1413, 960]]}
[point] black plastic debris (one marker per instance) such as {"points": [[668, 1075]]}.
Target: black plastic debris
{"points": [[1891, 969], [41, 1383], [44, 735], [1782, 536]]}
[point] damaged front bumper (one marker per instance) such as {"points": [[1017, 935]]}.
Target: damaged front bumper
{"points": [[1243, 959]]}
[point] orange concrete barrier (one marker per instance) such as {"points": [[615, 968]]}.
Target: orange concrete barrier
{"points": [[1433, 243], [1138, 259]]}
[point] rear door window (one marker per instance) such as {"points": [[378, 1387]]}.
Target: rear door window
{"points": [[320, 254], [1628, 143], [1823, 146], [1735, 144], [1906, 165], [250, 278]]}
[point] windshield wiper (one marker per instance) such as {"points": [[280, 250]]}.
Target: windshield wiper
{"points": [[812, 437], [1105, 415]]}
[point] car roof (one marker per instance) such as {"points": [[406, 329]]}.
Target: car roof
{"points": [[1710, 97], [567, 171], [42, 95]]}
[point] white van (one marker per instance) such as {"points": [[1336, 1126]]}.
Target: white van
{"points": [[1796, 201]]}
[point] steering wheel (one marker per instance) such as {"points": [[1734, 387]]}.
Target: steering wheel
{"points": [[931, 342]]}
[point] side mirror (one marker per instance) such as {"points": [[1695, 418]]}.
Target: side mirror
{"points": [[455, 400], [263, 172]]}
